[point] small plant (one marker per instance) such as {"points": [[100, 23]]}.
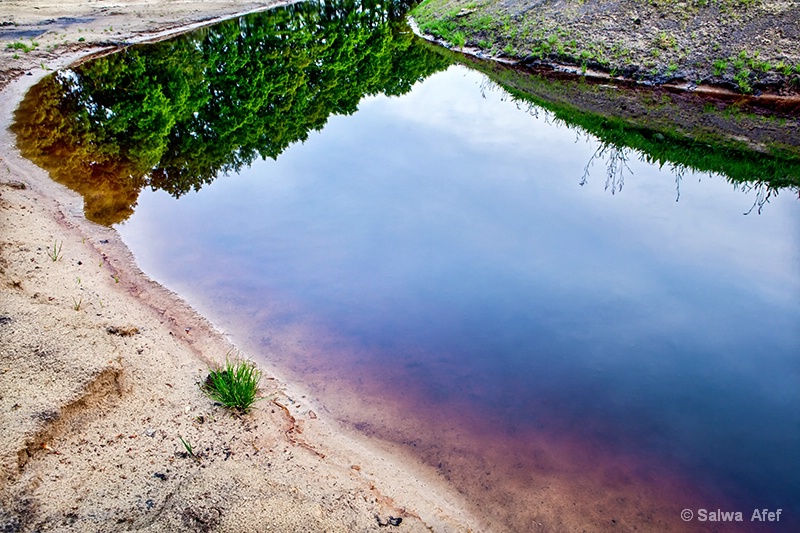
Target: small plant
{"points": [[19, 45], [666, 41], [783, 68], [55, 253], [234, 385], [720, 66], [76, 304], [742, 78], [188, 447], [81, 39]]}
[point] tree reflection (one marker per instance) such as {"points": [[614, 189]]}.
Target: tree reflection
{"points": [[177, 114], [763, 173], [620, 121], [763, 193], [616, 160]]}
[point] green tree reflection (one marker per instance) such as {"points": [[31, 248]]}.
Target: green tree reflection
{"points": [[175, 115], [755, 151]]}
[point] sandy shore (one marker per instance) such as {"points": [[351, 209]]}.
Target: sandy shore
{"points": [[99, 366]]}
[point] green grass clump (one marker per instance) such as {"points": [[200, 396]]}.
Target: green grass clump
{"points": [[234, 385], [19, 45]]}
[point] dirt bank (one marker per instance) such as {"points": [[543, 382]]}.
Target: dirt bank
{"points": [[747, 46], [99, 366]]}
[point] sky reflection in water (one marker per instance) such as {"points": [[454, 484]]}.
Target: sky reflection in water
{"points": [[448, 226]]}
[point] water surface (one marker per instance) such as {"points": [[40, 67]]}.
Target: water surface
{"points": [[574, 349], [444, 246]]}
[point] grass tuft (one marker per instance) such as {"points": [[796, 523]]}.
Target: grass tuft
{"points": [[234, 385], [55, 253]]}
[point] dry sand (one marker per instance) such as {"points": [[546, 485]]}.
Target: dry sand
{"points": [[99, 366]]}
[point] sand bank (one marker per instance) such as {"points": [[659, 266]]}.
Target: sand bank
{"points": [[100, 366]]}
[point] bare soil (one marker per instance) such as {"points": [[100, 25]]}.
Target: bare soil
{"points": [[746, 46]]}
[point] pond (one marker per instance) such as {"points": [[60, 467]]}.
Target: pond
{"points": [[576, 329]]}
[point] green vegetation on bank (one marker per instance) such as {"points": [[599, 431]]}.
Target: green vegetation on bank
{"points": [[20, 45], [501, 34], [234, 385], [649, 41]]}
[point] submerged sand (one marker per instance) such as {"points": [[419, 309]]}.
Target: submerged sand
{"points": [[100, 367]]}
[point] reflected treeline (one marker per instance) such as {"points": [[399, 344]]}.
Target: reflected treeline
{"points": [[176, 114], [755, 151]]}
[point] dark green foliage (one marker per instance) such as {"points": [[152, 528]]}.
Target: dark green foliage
{"points": [[175, 115], [234, 385]]}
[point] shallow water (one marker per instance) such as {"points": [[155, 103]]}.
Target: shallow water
{"points": [[594, 350], [441, 247]]}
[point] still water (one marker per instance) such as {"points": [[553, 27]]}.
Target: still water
{"points": [[596, 349], [445, 236]]}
